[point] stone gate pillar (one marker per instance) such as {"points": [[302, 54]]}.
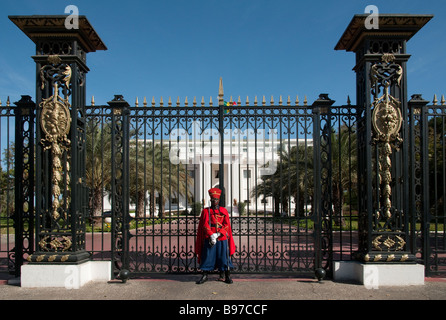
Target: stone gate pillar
{"points": [[61, 194], [383, 166]]}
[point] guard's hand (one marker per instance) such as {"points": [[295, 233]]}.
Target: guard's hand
{"points": [[213, 238]]}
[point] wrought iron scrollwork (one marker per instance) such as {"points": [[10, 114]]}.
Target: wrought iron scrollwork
{"points": [[387, 121], [55, 123]]}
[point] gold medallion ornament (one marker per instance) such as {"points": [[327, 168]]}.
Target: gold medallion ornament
{"points": [[55, 122], [55, 119], [387, 121]]}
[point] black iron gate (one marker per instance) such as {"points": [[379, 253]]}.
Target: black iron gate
{"points": [[305, 184], [164, 157], [428, 182]]}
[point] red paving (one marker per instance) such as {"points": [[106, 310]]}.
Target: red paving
{"points": [[157, 236]]}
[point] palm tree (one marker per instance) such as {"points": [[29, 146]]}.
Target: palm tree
{"points": [[7, 182], [174, 180], [343, 168], [292, 179], [138, 176], [98, 164], [436, 162], [152, 172], [294, 175]]}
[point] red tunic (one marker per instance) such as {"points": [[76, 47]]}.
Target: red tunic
{"points": [[219, 223]]}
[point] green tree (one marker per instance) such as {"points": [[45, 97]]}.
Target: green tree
{"points": [[344, 169], [437, 155], [152, 173], [7, 182], [292, 180], [98, 165]]}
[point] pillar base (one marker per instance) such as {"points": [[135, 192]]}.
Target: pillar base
{"points": [[374, 275], [69, 276], [59, 257]]}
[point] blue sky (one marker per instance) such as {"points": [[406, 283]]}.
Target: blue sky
{"points": [[181, 48]]}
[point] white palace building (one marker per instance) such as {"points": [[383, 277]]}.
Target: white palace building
{"points": [[246, 159]]}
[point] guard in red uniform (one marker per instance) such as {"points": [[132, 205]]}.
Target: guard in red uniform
{"points": [[215, 245]]}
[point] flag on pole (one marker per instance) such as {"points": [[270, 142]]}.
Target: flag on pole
{"points": [[229, 104]]}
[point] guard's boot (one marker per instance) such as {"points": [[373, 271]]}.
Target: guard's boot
{"points": [[203, 279], [228, 277], [221, 276]]}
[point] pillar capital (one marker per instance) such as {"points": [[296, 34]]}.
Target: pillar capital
{"points": [[396, 26], [41, 27]]}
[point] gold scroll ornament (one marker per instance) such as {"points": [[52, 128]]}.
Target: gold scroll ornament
{"points": [[387, 121], [55, 123]]}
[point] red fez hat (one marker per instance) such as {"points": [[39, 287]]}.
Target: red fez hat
{"points": [[215, 193]]}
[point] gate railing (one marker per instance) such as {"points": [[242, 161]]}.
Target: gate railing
{"points": [[269, 173], [428, 182], [338, 235], [7, 185], [338, 223], [292, 191], [17, 130], [182, 186]]}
